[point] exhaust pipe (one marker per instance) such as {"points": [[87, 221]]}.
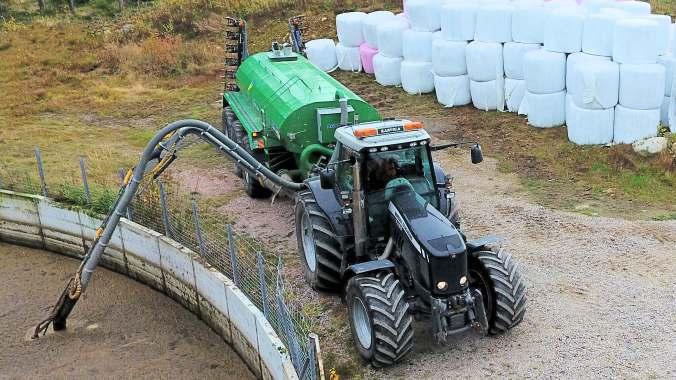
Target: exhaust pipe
{"points": [[343, 111]]}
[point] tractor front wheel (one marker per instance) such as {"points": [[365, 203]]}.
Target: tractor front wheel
{"points": [[498, 277], [381, 324]]}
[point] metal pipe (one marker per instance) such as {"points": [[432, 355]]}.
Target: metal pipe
{"points": [[388, 249], [343, 111], [358, 214]]}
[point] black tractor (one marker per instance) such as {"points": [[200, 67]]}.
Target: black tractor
{"points": [[378, 225]]}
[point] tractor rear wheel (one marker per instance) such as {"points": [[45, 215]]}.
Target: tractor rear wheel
{"points": [[317, 244], [498, 277], [232, 128], [381, 324]]}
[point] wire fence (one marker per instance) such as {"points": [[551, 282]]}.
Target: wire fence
{"points": [[162, 206]]}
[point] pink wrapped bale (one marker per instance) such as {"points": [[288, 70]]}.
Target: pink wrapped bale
{"points": [[367, 53]]}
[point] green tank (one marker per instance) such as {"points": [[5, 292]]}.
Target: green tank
{"points": [[289, 110]]}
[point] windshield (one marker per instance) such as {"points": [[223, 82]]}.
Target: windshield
{"points": [[396, 170]]}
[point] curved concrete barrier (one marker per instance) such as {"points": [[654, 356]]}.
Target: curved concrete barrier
{"points": [[159, 262]]}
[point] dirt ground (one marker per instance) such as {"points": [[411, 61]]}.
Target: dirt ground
{"points": [[602, 299], [119, 329]]}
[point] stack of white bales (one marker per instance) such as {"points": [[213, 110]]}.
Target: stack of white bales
{"points": [[642, 80], [369, 48], [387, 63], [349, 27], [528, 24], [449, 61], [668, 60], [322, 53], [485, 55], [592, 82], [417, 76]]}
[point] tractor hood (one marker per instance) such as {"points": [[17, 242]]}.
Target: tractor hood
{"points": [[430, 232]]}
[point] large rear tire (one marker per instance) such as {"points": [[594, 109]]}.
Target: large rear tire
{"points": [[233, 129], [318, 247], [498, 277], [382, 327]]}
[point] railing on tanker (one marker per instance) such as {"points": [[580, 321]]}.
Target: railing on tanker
{"points": [[162, 206]]}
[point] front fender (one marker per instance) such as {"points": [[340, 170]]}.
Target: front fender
{"points": [[484, 243], [368, 267]]}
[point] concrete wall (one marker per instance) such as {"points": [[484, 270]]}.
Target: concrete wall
{"points": [[159, 262]]}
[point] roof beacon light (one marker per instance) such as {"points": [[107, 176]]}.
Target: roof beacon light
{"points": [[364, 132], [361, 133], [413, 126]]}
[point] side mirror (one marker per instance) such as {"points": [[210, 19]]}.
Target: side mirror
{"points": [[477, 154], [327, 179]]}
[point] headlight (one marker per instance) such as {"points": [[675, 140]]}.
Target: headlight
{"points": [[442, 285], [463, 280]]}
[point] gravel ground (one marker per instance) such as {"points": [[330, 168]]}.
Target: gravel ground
{"points": [[119, 329], [602, 293]]}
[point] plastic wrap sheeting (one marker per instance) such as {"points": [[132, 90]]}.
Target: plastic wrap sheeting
{"points": [[634, 7], [528, 22], [669, 63], [493, 23], [664, 114], [322, 53], [448, 57], [580, 58], [515, 90], [417, 77], [387, 70], [671, 45], [366, 53], [635, 41], [417, 46], [546, 110], [458, 21], [371, 23], [391, 36], [488, 96], [642, 87], [452, 91], [484, 61], [596, 6], [633, 125], [589, 127], [597, 37], [595, 85], [513, 53], [664, 28], [349, 27], [424, 14], [349, 58], [544, 71], [563, 31]]}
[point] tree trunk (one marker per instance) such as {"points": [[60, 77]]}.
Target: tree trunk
{"points": [[71, 6], [41, 5], [121, 4]]}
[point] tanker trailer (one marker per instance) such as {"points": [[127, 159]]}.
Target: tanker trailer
{"points": [[285, 113]]}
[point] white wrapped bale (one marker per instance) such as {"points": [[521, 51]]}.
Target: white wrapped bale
{"points": [[322, 53], [391, 37], [664, 28], [544, 71], [563, 31], [597, 37], [514, 53], [633, 7], [417, 46], [515, 90], [589, 127], [546, 110], [387, 70], [580, 58], [424, 15], [348, 58], [488, 96], [458, 21], [528, 23], [635, 41], [671, 45], [448, 58], [417, 77], [484, 61], [595, 85], [664, 114], [642, 87], [633, 125], [669, 63], [597, 6], [370, 26], [349, 27], [494, 23], [452, 91]]}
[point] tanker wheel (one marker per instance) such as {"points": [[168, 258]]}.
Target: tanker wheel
{"points": [[498, 277], [317, 245], [233, 129], [381, 324]]}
